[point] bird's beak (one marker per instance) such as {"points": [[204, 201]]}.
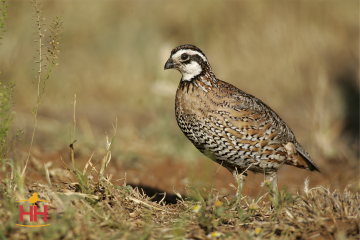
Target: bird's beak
{"points": [[169, 64]]}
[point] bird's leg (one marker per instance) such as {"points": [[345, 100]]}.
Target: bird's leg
{"points": [[273, 178], [240, 178]]}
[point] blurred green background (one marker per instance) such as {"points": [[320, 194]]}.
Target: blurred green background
{"points": [[299, 57]]}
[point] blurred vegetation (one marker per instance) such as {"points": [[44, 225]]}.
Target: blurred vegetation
{"points": [[300, 57]]}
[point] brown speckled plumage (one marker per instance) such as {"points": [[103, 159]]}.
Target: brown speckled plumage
{"points": [[229, 126]]}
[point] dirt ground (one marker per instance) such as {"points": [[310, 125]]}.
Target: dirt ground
{"points": [[155, 178]]}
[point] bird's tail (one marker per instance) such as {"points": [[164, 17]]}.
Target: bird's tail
{"points": [[301, 160], [309, 163]]}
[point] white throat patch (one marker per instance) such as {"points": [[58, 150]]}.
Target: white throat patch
{"points": [[190, 70]]}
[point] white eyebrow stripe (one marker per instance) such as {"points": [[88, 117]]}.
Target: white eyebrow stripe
{"points": [[190, 52]]}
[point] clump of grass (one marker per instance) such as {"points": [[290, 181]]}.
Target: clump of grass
{"points": [[122, 212], [85, 182], [211, 212], [279, 199], [301, 216], [46, 60]]}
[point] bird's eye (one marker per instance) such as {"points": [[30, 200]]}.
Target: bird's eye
{"points": [[184, 56]]}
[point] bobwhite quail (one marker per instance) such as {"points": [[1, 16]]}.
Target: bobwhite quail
{"points": [[229, 126]]}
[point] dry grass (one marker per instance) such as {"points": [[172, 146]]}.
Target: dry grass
{"points": [[108, 211]]}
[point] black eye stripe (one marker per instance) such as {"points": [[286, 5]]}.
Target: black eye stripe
{"points": [[190, 58], [184, 56]]}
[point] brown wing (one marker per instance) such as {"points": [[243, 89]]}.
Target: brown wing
{"points": [[261, 118]]}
